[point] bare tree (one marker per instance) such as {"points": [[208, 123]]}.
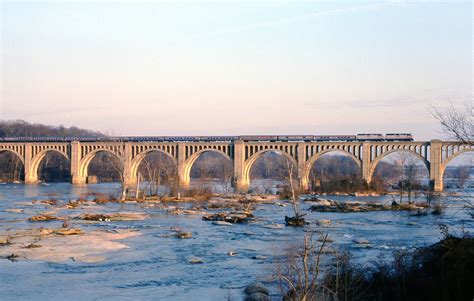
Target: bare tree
{"points": [[228, 172], [462, 175], [158, 170], [408, 171], [299, 270], [298, 220], [457, 123], [118, 161]]}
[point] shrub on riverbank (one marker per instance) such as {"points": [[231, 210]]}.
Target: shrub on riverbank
{"points": [[442, 271], [344, 185]]}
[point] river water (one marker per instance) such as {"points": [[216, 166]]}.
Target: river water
{"points": [[156, 266]]}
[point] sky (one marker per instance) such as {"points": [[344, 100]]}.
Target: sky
{"points": [[235, 67]]}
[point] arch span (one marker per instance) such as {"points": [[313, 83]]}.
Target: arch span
{"points": [[446, 162], [135, 164], [188, 164], [379, 158], [86, 160], [14, 153], [250, 161], [31, 176], [310, 162], [17, 173]]}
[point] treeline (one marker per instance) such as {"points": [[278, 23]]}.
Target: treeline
{"points": [[53, 168], [21, 128]]}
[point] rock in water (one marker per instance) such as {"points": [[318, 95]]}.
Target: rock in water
{"points": [[257, 297], [68, 231], [182, 234], [295, 221], [361, 241], [256, 292], [324, 222], [221, 223], [42, 218]]}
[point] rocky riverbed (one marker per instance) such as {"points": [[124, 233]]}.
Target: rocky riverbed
{"points": [[165, 248]]}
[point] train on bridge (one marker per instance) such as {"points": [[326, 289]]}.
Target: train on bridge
{"points": [[406, 137]]}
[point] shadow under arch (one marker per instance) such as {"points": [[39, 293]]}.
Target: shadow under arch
{"points": [[21, 168], [456, 181], [310, 162], [135, 164], [250, 162], [453, 156], [186, 176], [36, 161], [377, 160], [84, 163]]}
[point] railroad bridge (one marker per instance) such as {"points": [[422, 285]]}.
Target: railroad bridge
{"points": [[435, 154]]}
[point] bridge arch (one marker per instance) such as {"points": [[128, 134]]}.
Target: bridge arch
{"points": [[135, 163], [310, 162], [17, 170], [251, 160], [188, 164], [32, 174], [86, 160], [6, 150], [445, 163], [379, 158]]}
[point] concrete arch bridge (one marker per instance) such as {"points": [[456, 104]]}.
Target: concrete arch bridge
{"points": [[435, 154]]}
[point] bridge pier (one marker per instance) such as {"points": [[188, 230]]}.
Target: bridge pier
{"points": [[75, 160], [240, 177], [30, 176], [436, 171], [301, 160], [366, 163]]}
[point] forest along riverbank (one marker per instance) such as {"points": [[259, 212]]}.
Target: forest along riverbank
{"points": [[229, 240]]}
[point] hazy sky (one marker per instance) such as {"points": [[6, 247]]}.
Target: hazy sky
{"points": [[234, 67]]}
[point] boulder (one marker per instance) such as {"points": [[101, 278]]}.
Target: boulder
{"points": [[66, 231], [221, 223], [182, 234], [257, 297], [323, 222], [256, 288], [42, 218], [295, 221], [274, 226]]}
